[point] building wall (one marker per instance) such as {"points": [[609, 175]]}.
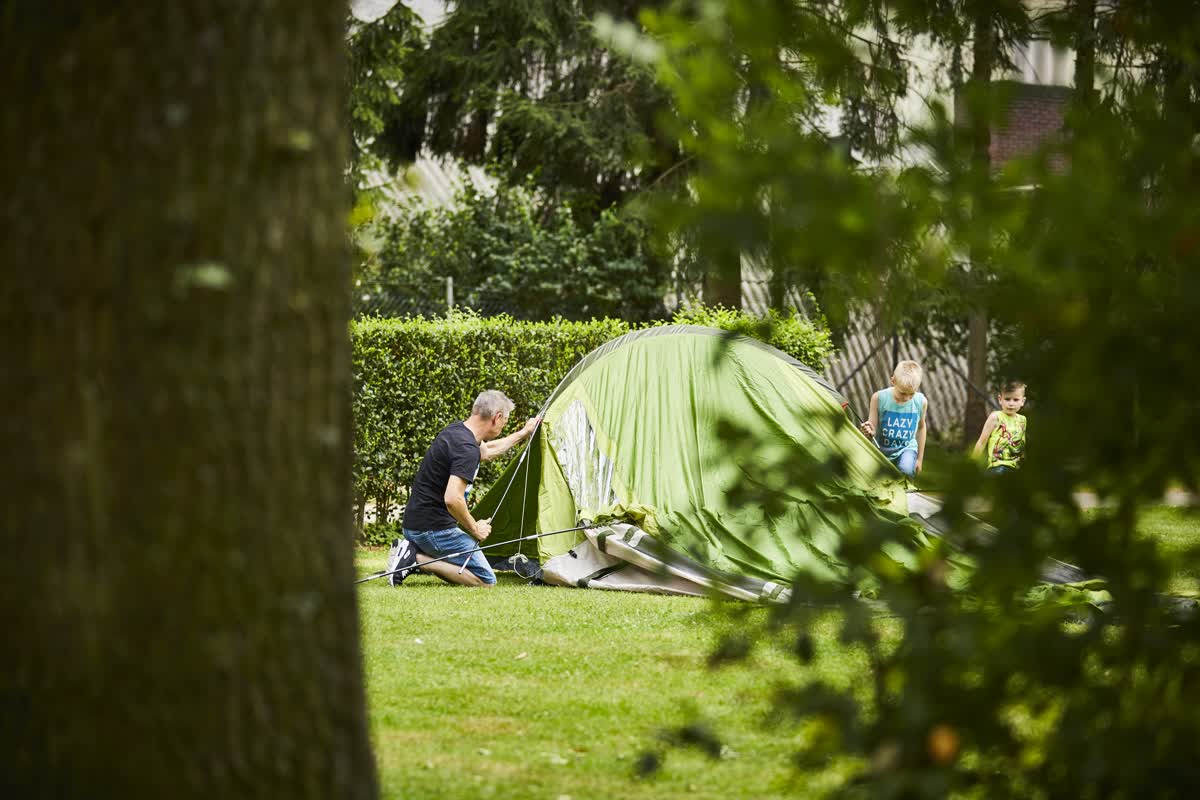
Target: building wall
{"points": [[1034, 117]]}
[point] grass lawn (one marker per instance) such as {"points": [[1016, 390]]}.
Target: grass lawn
{"points": [[540, 692], [1177, 531]]}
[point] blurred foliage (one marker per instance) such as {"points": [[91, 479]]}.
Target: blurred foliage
{"points": [[1092, 274], [769, 182], [505, 251]]}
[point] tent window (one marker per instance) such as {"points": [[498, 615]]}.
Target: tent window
{"points": [[588, 471]]}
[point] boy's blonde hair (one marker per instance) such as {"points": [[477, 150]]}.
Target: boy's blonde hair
{"points": [[907, 376]]}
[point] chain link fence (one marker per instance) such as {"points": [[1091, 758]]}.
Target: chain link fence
{"points": [[403, 300]]}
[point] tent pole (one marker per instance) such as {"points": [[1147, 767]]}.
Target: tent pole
{"points": [[477, 550], [541, 415]]}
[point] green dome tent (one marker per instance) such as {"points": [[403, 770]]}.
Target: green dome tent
{"points": [[630, 435]]}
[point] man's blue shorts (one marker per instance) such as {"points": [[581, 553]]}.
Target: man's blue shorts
{"points": [[436, 544]]}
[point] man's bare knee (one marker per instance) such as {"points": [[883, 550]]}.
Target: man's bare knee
{"points": [[471, 579], [449, 572]]}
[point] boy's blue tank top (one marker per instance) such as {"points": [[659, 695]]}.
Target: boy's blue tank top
{"points": [[898, 423]]}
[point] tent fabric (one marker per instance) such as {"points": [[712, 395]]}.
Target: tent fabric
{"points": [[927, 512], [623, 557], [630, 433]]}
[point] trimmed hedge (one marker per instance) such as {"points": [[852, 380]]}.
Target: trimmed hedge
{"points": [[414, 376]]}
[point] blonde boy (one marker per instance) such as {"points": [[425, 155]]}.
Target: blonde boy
{"points": [[897, 419], [1004, 431]]}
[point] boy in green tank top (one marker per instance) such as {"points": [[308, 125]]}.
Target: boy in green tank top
{"points": [[1004, 432]]}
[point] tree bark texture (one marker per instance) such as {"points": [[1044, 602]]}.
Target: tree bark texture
{"points": [[723, 280], [1084, 15], [177, 572]]}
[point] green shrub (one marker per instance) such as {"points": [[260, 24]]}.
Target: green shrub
{"points": [[507, 250], [414, 376], [379, 534], [807, 341]]}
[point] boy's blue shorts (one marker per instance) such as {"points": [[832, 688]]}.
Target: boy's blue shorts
{"points": [[906, 462], [436, 544]]}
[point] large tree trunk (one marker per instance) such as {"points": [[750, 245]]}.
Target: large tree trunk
{"points": [[177, 553], [983, 51], [1084, 14], [723, 280]]}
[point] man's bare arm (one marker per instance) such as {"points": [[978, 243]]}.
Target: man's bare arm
{"points": [[456, 503], [494, 449]]}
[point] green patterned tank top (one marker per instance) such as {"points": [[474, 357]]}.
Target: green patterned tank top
{"points": [[1006, 445]]}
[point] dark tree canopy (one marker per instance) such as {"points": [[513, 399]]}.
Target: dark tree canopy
{"points": [[377, 50], [529, 88]]}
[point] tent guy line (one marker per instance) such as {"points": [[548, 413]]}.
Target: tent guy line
{"points": [[529, 443], [537, 426]]}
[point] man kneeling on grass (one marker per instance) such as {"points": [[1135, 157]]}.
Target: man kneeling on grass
{"points": [[437, 522]]}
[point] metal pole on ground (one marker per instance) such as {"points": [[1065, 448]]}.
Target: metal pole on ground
{"points": [[477, 550]]}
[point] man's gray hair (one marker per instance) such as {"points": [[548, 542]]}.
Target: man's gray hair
{"points": [[491, 403]]}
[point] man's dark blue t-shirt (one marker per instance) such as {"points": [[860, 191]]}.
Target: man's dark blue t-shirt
{"points": [[453, 452]]}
